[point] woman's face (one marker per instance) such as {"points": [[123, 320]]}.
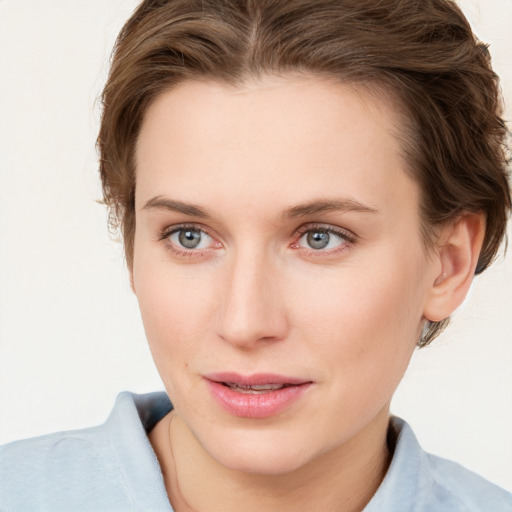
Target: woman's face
{"points": [[278, 264]]}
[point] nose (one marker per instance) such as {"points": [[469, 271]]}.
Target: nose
{"points": [[252, 304]]}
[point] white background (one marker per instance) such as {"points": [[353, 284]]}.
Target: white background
{"points": [[70, 333]]}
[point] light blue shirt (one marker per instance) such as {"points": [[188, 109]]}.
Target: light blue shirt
{"points": [[112, 468]]}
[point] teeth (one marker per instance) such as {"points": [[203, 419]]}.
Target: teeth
{"points": [[261, 388], [267, 387]]}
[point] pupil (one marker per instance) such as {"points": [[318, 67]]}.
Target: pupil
{"points": [[190, 238], [318, 239]]}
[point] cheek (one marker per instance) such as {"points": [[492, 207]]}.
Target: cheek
{"points": [[360, 303], [174, 323], [175, 311], [365, 322]]}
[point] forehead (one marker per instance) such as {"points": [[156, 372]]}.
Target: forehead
{"points": [[286, 138]]}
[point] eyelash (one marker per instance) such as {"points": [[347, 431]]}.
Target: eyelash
{"points": [[349, 237], [185, 253]]}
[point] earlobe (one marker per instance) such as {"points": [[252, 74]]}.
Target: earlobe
{"points": [[457, 252]]}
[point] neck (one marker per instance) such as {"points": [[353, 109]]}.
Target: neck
{"points": [[343, 479]]}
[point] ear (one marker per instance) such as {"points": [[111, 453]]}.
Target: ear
{"points": [[456, 256]]}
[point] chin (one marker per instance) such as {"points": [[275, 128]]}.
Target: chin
{"points": [[261, 452], [267, 462]]}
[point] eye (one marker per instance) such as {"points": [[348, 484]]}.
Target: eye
{"points": [[323, 239], [189, 238], [318, 239]]}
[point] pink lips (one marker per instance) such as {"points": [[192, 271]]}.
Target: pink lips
{"points": [[255, 396]]}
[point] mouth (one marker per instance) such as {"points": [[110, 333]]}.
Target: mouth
{"points": [[256, 389], [255, 396]]}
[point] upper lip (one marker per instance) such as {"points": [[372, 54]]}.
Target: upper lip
{"points": [[256, 379]]}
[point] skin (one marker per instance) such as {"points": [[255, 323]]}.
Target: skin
{"points": [[255, 297]]}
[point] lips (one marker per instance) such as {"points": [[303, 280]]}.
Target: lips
{"points": [[255, 396], [256, 389]]}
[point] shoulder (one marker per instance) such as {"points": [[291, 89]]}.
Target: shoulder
{"points": [[452, 483], [107, 467], [429, 483], [52, 465]]}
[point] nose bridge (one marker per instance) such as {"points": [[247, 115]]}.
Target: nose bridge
{"points": [[252, 304]]}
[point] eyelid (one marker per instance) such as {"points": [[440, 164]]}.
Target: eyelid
{"points": [[328, 228], [169, 230], [164, 234], [343, 233]]}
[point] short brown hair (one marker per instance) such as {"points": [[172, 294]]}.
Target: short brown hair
{"points": [[423, 53]]}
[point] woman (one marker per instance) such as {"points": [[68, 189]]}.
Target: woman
{"points": [[305, 190]]}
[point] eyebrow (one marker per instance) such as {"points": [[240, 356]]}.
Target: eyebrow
{"points": [[301, 210], [161, 203], [327, 205]]}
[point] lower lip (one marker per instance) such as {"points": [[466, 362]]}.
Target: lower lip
{"points": [[256, 405]]}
